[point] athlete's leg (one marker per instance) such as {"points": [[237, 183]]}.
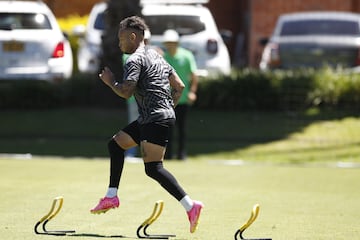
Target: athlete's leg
{"points": [[154, 138], [170, 145], [153, 144], [117, 146], [153, 159], [154, 169], [121, 141]]}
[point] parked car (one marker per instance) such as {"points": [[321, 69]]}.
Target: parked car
{"points": [[193, 22], [314, 39], [32, 46], [89, 51]]}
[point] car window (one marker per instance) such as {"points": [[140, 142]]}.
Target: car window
{"points": [[320, 27], [10, 21], [158, 24], [183, 24], [99, 23]]}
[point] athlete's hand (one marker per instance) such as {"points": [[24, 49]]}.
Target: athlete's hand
{"points": [[107, 76]]}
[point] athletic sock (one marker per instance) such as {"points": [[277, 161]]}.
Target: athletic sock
{"points": [[111, 192], [156, 171], [116, 163], [187, 203]]}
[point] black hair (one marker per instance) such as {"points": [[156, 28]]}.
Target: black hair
{"points": [[133, 22]]}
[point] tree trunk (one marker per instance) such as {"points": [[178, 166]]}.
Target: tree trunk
{"points": [[117, 10]]}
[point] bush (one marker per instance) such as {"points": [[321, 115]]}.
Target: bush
{"points": [[80, 91], [29, 94], [244, 90], [281, 90], [335, 89]]}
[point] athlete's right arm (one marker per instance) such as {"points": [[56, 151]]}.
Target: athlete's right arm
{"points": [[177, 87], [124, 89]]}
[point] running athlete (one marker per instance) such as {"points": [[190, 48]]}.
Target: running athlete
{"points": [[157, 89]]}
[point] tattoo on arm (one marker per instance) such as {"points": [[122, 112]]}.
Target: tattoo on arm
{"points": [[175, 94], [124, 89], [177, 87]]}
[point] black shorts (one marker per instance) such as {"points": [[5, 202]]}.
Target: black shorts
{"points": [[150, 132]]}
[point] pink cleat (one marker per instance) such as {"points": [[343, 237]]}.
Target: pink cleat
{"points": [[105, 205], [194, 215]]}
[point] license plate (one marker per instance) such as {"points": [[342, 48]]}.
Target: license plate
{"points": [[13, 46]]}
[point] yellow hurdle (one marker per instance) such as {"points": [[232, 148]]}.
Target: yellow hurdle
{"points": [[142, 229], [54, 210], [155, 213], [253, 216]]}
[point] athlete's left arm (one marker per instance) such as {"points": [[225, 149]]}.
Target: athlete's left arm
{"points": [[124, 89]]}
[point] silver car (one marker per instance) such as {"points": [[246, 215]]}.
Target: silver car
{"points": [[32, 46], [314, 39]]}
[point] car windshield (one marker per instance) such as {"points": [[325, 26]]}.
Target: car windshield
{"points": [[99, 21], [320, 27], [183, 24], [11, 21]]}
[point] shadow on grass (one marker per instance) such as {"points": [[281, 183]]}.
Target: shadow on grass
{"points": [[98, 235], [85, 132]]}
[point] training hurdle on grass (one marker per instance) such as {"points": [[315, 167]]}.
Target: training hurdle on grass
{"points": [[239, 233], [142, 229], [54, 210]]}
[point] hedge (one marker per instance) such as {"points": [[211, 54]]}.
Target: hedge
{"points": [[281, 90], [80, 91], [245, 89]]}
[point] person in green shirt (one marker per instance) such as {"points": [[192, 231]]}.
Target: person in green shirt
{"points": [[183, 61]]}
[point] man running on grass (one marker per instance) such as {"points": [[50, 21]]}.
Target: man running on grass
{"points": [[157, 89]]}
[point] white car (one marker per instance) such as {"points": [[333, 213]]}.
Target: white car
{"points": [[90, 45], [32, 45], [193, 22]]}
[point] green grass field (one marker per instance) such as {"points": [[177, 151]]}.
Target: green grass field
{"points": [[313, 201], [302, 168]]}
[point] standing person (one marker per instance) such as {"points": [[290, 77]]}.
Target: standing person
{"points": [[183, 61], [157, 89]]}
